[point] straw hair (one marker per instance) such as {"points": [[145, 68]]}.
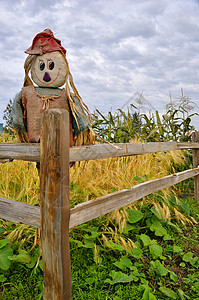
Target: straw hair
{"points": [[27, 66]]}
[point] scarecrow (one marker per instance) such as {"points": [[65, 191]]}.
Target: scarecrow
{"points": [[49, 70]]}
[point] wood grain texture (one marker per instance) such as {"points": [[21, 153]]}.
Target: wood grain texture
{"points": [[55, 205], [31, 152], [195, 139], [20, 151], [94, 208], [19, 212]]}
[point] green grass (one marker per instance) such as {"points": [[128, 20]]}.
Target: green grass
{"points": [[22, 283], [166, 265], [145, 251]]}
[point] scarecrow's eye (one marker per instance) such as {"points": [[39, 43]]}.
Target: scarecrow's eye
{"points": [[51, 65], [41, 65]]}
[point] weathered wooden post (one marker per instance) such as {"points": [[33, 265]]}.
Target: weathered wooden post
{"points": [[195, 139], [55, 205]]}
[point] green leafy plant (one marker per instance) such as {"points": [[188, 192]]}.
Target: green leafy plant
{"points": [[5, 252], [121, 126]]}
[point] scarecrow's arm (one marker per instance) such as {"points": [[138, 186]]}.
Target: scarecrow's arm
{"points": [[17, 113], [82, 122], [82, 133]]}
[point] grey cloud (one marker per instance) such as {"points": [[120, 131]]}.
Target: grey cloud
{"points": [[121, 54], [114, 48], [153, 8], [134, 27]]}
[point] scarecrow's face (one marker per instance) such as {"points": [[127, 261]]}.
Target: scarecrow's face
{"points": [[49, 70]]}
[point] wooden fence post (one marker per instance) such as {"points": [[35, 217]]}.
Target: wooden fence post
{"points": [[195, 139], [55, 204]]}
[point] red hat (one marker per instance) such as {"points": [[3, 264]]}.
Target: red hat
{"points": [[45, 42]]}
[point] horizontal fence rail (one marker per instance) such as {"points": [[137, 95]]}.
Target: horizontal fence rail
{"points": [[31, 152], [27, 214], [28, 152], [19, 212]]}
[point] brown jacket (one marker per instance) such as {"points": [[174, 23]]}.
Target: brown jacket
{"points": [[34, 104]]}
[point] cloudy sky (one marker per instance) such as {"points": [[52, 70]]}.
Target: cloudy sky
{"points": [[116, 49]]}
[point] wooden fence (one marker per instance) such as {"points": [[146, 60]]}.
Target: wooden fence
{"points": [[55, 217]]}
